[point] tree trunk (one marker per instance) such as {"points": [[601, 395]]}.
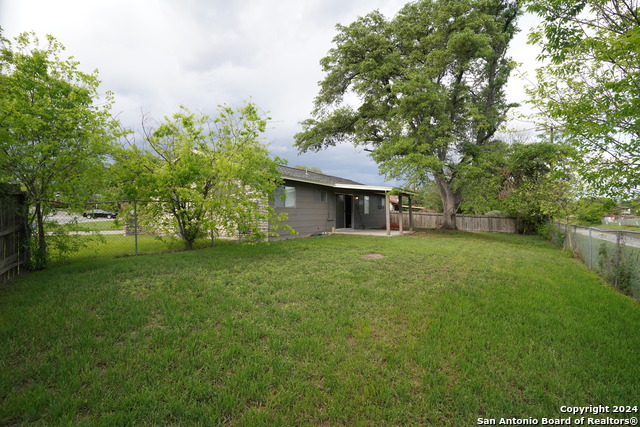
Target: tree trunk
{"points": [[450, 203], [186, 235], [41, 250]]}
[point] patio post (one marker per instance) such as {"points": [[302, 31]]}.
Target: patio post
{"points": [[388, 215], [400, 216], [410, 213]]}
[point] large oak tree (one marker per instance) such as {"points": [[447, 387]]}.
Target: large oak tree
{"points": [[424, 90]]}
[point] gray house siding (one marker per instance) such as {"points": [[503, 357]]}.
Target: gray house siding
{"points": [[324, 202], [309, 216]]}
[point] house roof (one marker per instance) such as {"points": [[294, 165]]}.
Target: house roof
{"points": [[308, 176], [302, 175]]}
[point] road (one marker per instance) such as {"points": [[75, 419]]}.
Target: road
{"points": [[629, 238], [62, 217], [93, 233]]}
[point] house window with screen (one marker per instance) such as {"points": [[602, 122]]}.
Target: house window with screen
{"points": [[366, 205], [289, 196]]}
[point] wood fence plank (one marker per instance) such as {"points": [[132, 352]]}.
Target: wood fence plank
{"points": [[12, 232], [463, 222]]}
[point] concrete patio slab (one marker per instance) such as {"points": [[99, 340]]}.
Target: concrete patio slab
{"points": [[368, 232]]}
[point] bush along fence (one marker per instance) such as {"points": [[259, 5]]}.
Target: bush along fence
{"points": [[463, 222], [14, 247], [614, 254]]}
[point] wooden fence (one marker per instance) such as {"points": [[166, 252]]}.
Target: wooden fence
{"points": [[14, 252], [463, 222]]}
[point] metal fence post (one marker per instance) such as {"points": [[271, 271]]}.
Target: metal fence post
{"points": [[618, 237], [590, 249], [135, 225]]}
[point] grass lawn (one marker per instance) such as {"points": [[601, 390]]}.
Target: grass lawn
{"points": [[445, 328], [100, 225], [628, 227], [107, 247]]}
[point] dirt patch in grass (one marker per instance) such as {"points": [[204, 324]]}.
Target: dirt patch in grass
{"points": [[372, 256]]}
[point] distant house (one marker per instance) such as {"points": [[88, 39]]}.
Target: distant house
{"points": [[395, 205], [318, 203]]}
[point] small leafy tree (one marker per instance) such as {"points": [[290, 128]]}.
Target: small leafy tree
{"points": [[538, 184], [428, 197], [203, 175], [591, 85], [427, 88], [484, 178], [54, 136], [591, 210]]}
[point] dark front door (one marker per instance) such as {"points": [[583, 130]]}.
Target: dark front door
{"points": [[340, 211], [344, 204]]}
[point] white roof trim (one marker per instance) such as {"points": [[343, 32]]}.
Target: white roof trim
{"points": [[342, 186], [363, 187]]}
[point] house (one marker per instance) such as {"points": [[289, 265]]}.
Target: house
{"points": [[395, 205], [317, 203]]}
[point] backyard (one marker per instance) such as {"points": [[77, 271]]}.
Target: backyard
{"points": [[436, 328]]}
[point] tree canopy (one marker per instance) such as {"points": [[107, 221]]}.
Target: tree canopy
{"points": [[200, 175], [538, 184], [590, 88], [424, 90], [54, 136], [534, 182]]}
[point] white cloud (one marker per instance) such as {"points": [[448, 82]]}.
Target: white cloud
{"points": [[156, 55]]}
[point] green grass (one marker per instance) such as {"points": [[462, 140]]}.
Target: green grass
{"points": [[107, 247], [628, 227], [101, 225], [446, 328]]}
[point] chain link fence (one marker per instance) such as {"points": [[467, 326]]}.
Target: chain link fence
{"points": [[614, 254], [122, 228], [622, 221]]}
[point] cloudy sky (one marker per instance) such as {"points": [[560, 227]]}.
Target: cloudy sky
{"points": [[156, 55]]}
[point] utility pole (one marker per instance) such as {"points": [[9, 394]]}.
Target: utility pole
{"points": [[551, 128]]}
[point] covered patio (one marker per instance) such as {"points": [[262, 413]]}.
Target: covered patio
{"points": [[357, 191]]}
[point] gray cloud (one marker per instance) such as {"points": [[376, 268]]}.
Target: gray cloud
{"points": [[156, 55]]}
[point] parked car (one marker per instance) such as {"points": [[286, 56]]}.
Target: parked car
{"points": [[99, 213]]}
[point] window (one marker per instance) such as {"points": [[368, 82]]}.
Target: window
{"points": [[320, 196], [366, 205], [289, 196]]}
